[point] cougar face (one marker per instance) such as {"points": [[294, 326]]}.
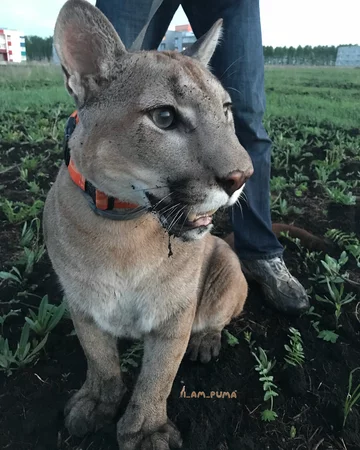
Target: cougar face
{"points": [[156, 129]]}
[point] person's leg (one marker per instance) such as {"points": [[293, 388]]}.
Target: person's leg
{"points": [[239, 64], [129, 16]]}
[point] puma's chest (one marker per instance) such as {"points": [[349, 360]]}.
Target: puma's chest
{"points": [[132, 305]]}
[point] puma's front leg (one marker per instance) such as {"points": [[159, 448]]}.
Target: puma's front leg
{"points": [[145, 425], [98, 400]]}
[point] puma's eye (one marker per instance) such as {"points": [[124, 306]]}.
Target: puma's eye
{"points": [[163, 117], [227, 108]]}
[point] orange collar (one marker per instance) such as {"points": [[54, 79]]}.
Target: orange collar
{"points": [[100, 201]]}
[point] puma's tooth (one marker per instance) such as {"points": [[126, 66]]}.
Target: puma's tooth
{"points": [[192, 217], [211, 213]]}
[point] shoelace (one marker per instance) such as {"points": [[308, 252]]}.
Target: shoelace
{"points": [[278, 266]]}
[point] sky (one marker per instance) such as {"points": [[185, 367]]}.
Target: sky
{"points": [[284, 22]]}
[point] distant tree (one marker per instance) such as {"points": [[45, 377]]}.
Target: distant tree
{"points": [[271, 51], [307, 54], [268, 54], [290, 55], [278, 55], [332, 55], [320, 55], [299, 54], [38, 48], [284, 52]]}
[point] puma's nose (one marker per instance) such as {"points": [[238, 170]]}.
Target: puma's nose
{"points": [[234, 181]]}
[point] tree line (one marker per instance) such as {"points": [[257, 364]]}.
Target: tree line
{"points": [[320, 55], [38, 48]]}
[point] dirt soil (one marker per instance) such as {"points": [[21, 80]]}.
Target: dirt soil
{"points": [[310, 399]]}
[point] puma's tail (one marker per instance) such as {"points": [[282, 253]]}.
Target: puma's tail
{"points": [[307, 239]]}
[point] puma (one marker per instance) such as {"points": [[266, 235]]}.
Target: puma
{"points": [[156, 133]]}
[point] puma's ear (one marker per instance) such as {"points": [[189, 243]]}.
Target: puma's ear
{"points": [[87, 45], [204, 47]]}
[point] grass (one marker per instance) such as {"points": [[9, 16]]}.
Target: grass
{"points": [[30, 77], [291, 92], [322, 95], [47, 317], [29, 86], [352, 397], [26, 352]]}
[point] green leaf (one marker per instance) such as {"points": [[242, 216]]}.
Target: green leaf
{"points": [[328, 336], [43, 307], [268, 415], [315, 324], [33, 315], [289, 361], [231, 339], [323, 299], [40, 345], [9, 276], [57, 316], [132, 362], [268, 385], [270, 394], [267, 378], [30, 322], [24, 337]]}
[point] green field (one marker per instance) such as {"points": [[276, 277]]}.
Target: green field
{"points": [[320, 95], [313, 118]]}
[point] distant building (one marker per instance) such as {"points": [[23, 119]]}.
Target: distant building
{"points": [[348, 56], [178, 39], [12, 46]]}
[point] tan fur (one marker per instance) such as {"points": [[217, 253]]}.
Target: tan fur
{"points": [[117, 275]]}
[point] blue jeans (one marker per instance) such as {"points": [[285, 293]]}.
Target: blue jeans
{"points": [[239, 64]]}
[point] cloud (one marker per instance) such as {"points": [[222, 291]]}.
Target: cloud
{"points": [[284, 22], [36, 17]]}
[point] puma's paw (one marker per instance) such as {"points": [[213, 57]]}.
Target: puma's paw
{"points": [[165, 437], [86, 413], [204, 346]]}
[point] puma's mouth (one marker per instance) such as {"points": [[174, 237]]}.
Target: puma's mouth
{"points": [[182, 222], [179, 220], [200, 220]]}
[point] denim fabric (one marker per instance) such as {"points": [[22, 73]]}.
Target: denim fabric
{"points": [[129, 16], [239, 64]]}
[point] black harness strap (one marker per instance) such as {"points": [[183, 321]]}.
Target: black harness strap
{"points": [[69, 128]]}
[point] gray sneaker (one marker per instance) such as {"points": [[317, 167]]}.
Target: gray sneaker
{"points": [[281, 289]]}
